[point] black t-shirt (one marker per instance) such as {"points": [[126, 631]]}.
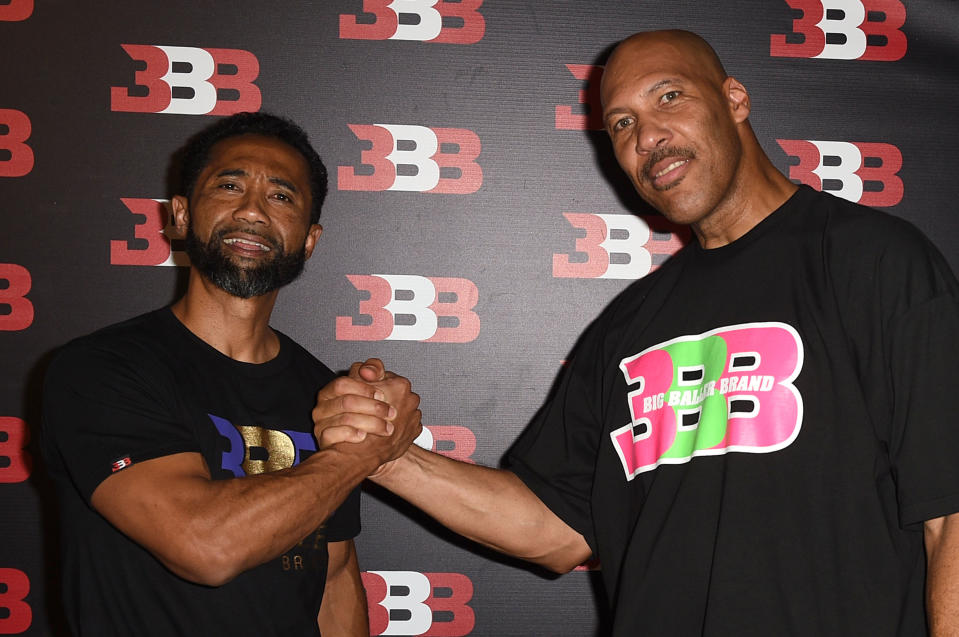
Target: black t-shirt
{"points": [[750, 438], [147, 388]]}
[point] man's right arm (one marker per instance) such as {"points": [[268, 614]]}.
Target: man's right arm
{"points": [[490, 506], [209, 531]]}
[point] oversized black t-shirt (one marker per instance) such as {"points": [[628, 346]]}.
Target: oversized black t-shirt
{"points": [[750, 437], [147, 388]]}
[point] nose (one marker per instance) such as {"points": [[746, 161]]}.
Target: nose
{"points": [[651, 135], [251, 208]]}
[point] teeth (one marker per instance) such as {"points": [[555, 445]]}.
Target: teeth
{"points": [[232, 241], [675, 164]]}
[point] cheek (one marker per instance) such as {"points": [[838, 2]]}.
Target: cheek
{"points": [[624, 156]]}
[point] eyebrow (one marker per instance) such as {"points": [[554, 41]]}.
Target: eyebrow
{"points": [[645, 93], [662, 83], [239, 172]]}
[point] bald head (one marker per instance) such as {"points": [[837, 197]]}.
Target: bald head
{"points": [[683, 51]]}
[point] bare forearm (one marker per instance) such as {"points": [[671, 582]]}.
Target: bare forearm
{"points": [[209, 531], [344, 611], [942, 579], [489, 506], [258, 518]]}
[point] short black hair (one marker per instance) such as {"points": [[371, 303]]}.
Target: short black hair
{"points": [[195, 155]]}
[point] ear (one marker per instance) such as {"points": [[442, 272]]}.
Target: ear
{"points": [[311, 236], [737, 98], [180, 208]]}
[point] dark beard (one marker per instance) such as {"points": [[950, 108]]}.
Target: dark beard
{"points": [[210, 261]]}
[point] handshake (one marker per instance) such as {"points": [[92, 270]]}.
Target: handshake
{"points": [[370, 413]]}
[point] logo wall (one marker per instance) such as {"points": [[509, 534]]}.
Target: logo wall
{"points": [[844, 30], [587, 114], [189, 81], [16, 463], [619, 246], [16, 10], [14, 589], [437, 21], [151, 231], [415, 159], [412, 603], [15, 129], [409, 307], [14, 296], [845, 169]]}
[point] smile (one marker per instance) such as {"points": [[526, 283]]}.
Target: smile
{"points": [[247, 244], [671, 167]]}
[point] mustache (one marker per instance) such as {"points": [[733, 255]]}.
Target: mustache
{"points": [[660, 154]]}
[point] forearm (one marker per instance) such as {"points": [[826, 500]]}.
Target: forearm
{"points": [[942, 579], [490, 506], [344, 611], [209, 531], [260, 517]]}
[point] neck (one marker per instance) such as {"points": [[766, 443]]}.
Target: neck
{"points": [[238, 328], [756, 192]]}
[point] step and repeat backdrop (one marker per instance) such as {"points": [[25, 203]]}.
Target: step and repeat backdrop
{"points": [[476, 220]]}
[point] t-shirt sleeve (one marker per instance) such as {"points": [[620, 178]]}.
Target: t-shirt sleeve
{"points": [[556, 455], [103, 411], [344, 524], [901, 309]]}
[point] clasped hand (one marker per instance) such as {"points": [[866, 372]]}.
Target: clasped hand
{"points": [[370, 413]]}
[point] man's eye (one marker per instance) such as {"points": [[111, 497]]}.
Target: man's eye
{"points": [[228, 186], [669, 97], [622, 123]]}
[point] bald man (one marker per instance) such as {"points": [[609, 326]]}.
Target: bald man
{"points": [[752, 439]]}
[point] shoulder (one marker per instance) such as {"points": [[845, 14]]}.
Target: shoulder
{"points": [[883, 253], [130, 345], [866, 228]]}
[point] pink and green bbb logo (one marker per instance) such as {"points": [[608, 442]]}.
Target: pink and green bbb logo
{"points": [[729, 389]]}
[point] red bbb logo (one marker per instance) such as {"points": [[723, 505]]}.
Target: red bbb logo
{"points": [[14, 297], [15, 461], [189, 81], [16, 616], [153, 231], [409, 308], [851, 166], [19, 160], [438, 168], [16, 10], [619, 246], [844, 30], [589, 109], [434, 21], [431, 604]]}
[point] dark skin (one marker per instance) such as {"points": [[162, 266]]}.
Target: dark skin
{"points": [[209, 531], [680, 130]]}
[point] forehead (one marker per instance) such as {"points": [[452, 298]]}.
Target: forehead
{"points": [[639, 67], [258, 154]]}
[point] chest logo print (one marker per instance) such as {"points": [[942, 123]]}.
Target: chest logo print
{"points": [[726, 390]]}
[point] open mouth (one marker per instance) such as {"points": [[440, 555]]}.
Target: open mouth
{"points": [[667, 167], [247, 245]]}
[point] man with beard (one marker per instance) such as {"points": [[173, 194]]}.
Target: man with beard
{"points": [[752, 439], [193, 498]]}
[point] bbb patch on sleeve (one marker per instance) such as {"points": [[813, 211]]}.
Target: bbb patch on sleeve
{"points": [[121, 463]]}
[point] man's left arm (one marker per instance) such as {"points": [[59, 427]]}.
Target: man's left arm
{"points": [[942, 576], [343, 609]]}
